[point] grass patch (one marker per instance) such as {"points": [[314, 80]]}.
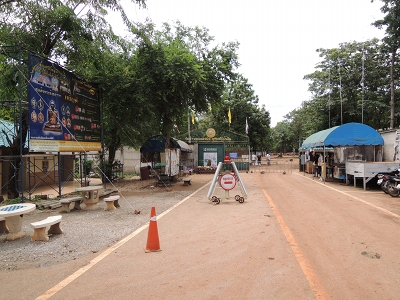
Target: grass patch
{"points": [[19, 200]]}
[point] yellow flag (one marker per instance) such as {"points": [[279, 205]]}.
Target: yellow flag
{"points": [[192, 117], [229, 116]]}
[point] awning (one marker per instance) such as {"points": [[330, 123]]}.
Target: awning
{"points": [[350, 134], [183, 146], [157, 144]]}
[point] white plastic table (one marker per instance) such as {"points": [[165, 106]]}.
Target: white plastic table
{"points": [[13, 214], [90, 195]]}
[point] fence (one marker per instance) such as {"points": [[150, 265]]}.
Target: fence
{"points": [[274, 167]]}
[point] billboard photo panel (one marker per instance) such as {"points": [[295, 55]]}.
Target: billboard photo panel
{"points": [[63, 109]]}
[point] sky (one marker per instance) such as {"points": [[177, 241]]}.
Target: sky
{"points": [[278, 38]]}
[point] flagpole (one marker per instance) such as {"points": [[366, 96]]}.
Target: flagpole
{"points": [[229, 118]]}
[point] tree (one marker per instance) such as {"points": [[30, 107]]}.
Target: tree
{"points": [[240, 99], [281, 137], [392, 23], [340, 94], [52, 28], [177, 70], [128, 118]]}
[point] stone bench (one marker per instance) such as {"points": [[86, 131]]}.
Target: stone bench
{"points": [[186, 181], [111, 202], [65, 202], [39, 233], [3, 225]]}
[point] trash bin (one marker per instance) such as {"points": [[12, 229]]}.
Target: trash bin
{"points": [[144, 173]]}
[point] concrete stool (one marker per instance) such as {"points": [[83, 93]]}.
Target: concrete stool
{"points": [[186, 181], [110, 202], [39, 233]]}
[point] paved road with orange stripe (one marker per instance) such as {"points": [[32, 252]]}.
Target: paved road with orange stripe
{"points": [[292, 238]]}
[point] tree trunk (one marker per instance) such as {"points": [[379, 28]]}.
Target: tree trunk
{"points": [[112, 148], [15, 166]]}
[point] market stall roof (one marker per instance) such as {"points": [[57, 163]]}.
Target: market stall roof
{"points": [[157, 144], [350, 134]]}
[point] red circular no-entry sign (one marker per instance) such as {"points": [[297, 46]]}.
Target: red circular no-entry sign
{"points": [[227, 182]]}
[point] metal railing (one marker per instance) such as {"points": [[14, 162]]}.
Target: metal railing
{"points": [[274, 167]]}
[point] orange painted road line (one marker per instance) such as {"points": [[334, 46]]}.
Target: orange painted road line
{"points": [[355, 198], [312, 278], [75, 275]]}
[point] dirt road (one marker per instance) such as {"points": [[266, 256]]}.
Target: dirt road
{"points": [[292, 238]]}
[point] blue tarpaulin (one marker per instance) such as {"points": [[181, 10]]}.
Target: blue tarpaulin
{"points": [[350, 134]]}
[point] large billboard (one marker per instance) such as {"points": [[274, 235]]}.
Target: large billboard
{"points": [[64, 110]]}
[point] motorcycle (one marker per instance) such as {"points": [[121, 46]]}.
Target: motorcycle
{"points": [[383, 180], [390, 183]]}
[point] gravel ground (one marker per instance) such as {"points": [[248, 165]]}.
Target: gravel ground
{"points": [[87, 232]]}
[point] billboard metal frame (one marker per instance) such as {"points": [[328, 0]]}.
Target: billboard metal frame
{"points": [[25, 162]]}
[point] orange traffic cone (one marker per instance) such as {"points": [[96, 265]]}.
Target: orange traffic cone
{"points": [[153, 242]]}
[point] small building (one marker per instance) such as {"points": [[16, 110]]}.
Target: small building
{"points": [[211, 147], [169, 161]]}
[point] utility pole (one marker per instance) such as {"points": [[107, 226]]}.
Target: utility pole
{"points": [[188, 119], [341, 99], [329, 99], [362, 85]]}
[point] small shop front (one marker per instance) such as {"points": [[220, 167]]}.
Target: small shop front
{"points": [[355, 151]]}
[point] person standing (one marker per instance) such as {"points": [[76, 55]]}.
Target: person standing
{"points": [[320, 161], [314, 160], [253, 159], [259, 159], [268, 159]]}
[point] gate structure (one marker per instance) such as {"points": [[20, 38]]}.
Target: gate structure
{"points": [[212, 147]]}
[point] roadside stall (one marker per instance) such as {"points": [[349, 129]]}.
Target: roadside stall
{"points": [[167, 163], [357, 151]]}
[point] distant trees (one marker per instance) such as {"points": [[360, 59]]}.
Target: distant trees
{"points": [[342, 91], [149, 81]]}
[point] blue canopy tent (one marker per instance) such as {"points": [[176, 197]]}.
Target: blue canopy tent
{"points": [[350, 134]]}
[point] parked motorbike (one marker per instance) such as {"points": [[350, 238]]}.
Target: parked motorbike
{"points": [[390, 183], [383, 179]]}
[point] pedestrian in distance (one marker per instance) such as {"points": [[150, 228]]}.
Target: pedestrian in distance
{"points": [[320, 161], [253, 159], [268, 159]]}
